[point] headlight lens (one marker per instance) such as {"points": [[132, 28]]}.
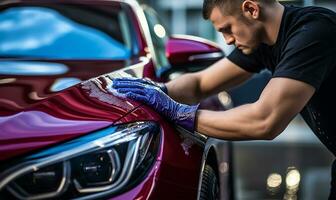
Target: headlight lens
{"points": [[99, 164]]}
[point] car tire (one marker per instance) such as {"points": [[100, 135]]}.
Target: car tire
{"points": [[210, 184]]}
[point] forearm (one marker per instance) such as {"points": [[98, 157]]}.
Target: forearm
{"points": [[193, 87], [185, 89], [264, 119], [242, 123]]}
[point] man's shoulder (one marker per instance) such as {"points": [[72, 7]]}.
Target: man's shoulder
{"points": [[311, 14], [311, 24], [309, 10]]}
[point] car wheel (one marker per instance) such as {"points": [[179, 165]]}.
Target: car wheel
{"points": [[210, 184]]}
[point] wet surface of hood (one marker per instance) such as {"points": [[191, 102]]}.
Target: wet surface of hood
{"points": [[57, 117], [24, 83]]}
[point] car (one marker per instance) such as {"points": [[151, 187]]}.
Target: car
{"points": [[64, 135]]}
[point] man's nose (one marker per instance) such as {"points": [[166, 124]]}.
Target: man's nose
{"points": [[229, 39]]}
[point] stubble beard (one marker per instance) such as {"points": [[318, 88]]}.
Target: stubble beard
{"points": [[254, 43]]}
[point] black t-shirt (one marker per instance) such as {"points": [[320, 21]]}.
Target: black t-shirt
{"points": [[305, 50]]}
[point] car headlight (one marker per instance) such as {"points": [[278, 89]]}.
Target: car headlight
{"points": [[106, 162]]}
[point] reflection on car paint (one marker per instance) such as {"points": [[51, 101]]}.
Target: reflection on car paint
{"points": [[23, 129], [32, 68], [31, 121], [34, 96], [63, 83], [43, 32], [7, 80]]}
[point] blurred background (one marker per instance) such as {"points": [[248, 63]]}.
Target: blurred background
{"points": [[295, 165]]}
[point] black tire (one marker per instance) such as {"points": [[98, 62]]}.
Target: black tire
{"points": [[210, 184]]}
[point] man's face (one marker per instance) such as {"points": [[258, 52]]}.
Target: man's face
{"points": [[244, 33]]}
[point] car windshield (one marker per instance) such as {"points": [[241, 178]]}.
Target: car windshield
{"points": [[64, 32]]}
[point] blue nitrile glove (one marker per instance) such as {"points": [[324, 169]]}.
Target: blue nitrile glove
{"points": [[180, 114], [122, 82]]}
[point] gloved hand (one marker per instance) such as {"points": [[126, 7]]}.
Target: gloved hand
{"points": [[124, 82], [180, 114]]}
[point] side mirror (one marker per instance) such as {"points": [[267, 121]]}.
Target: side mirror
{"points": [[190, 50]]}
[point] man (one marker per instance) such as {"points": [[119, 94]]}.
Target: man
{"points": [[298, 45]]}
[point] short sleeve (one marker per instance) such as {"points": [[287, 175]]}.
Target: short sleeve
{"points": [[250, 63], [309, 55]]}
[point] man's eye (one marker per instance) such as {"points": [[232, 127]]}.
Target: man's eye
{"points": [[225, 30], [228, 30]]}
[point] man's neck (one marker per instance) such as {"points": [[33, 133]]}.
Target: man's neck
{"points": [[273, 16]]}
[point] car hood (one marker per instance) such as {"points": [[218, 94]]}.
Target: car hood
{"points": [[27, 82], [53, 117]]}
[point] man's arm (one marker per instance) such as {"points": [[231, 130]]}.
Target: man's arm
{"points": [[193, 87], [265, 119]]}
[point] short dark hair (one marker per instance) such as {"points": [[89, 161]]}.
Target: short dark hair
{"points": [[228, 7]]}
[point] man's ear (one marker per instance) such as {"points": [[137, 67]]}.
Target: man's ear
{"points": [[251, 9]]}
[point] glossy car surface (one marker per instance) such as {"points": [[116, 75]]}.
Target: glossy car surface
{"points": [[63, 134]]}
